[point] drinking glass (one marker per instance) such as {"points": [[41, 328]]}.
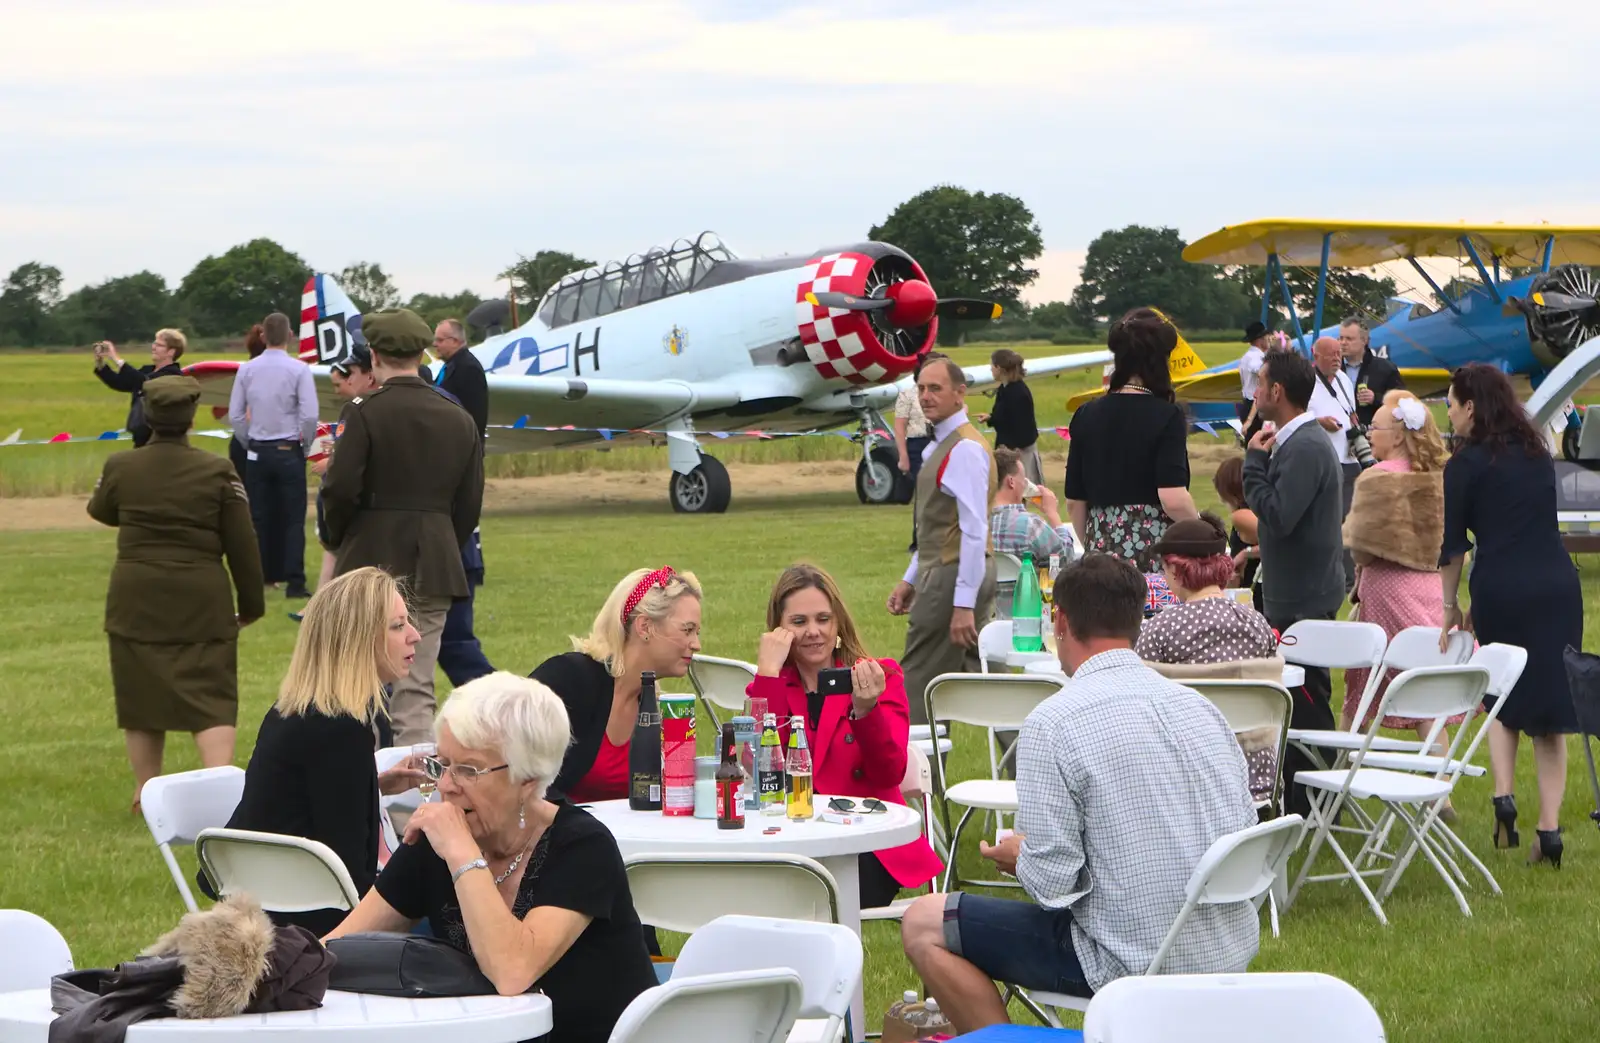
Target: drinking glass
{"points": [[419, 751]]}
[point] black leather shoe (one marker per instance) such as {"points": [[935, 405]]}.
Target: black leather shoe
{"points": [[1547, 847], [297, 593]]}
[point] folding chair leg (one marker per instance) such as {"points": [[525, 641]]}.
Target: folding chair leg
{"points": [[952, 876], [1427, 850]]}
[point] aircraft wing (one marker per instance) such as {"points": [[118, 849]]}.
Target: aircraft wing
{"points": [[978, 377], [1221, 384], [1362, 244]]}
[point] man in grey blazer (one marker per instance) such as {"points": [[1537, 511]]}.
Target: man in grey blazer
{"points": [[1292, 482]]}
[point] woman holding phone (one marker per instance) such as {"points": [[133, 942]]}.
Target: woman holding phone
{"points": [[812, 664]]}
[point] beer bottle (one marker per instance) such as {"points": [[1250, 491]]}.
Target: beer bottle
{"points": [[799, 771], [769, 769], [644, 754], [730, 780]]}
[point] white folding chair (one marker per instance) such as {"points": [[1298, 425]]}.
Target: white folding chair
{"points": [[1432, 693], [1231, 1008], [990, 701], [284, 874], [1238, 867], [1007, 567], [917, 789], [922, 737], [994, 641], [177, 807], [408, 801], [754, 1006], [720, 684], [1331, 644], [684, 892], [827, 957], [31, 951]]}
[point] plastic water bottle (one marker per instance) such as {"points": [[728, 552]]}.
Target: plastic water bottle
{"points": [[933, 1022], [1027, 610]]}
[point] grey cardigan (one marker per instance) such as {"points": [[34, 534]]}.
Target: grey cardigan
{"points": [[1295, 493]]}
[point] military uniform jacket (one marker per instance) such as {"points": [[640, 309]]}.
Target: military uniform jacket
{"points": [[405, 487], [178, 511]]}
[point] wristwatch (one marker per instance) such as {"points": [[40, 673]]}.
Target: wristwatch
{"points": [[476, 863]]}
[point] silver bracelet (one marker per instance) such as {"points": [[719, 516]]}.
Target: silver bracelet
{"points": [[476, 863]]}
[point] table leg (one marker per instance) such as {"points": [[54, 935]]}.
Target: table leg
{"points": [[843, 868]]}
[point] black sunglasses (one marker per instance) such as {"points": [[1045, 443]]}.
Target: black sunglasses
{"points": [[845, 805]]}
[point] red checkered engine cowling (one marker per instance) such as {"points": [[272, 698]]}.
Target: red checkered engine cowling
{"points": [[841, 344]]}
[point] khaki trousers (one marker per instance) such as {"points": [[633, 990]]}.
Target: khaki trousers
{"points": [[411, 703], [929, 650]]}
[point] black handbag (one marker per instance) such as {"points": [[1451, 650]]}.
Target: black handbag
{"points": [[409, 965]]}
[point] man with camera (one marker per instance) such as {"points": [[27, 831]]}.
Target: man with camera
{"points": [[1372, 375], [1333, 403], [165, 351]]}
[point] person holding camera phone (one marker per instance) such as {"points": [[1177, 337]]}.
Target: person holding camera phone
{"points": [[165, 351], [812, 663]]}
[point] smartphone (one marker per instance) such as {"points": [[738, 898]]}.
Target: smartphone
{"points": [[835, 680]]}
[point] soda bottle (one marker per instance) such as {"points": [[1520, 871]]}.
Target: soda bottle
{"points": [[644, 754], [769, 768], [1027, 631], [798, 769], [730, 777]]}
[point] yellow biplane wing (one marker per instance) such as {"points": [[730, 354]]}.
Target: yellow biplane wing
{"points": [[1223, 386], [1362, 244]]}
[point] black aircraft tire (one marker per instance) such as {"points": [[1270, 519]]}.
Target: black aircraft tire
{"points": [[879, 480], [704, 490]]}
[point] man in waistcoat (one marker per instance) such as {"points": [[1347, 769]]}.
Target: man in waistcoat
{"points": [[949, 587]]}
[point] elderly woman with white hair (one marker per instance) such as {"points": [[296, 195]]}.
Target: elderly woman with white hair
{"points": [[535, 890]]}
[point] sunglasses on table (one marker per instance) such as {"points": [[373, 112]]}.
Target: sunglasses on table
{"points": [[846, 805], [434, 768]]}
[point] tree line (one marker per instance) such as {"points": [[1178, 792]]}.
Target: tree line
{"points": [[970, 244]]}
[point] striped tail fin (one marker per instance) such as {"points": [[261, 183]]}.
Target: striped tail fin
{"points": [[329, 322]]}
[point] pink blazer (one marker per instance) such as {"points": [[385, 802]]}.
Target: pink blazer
{"points": [[862, 758]]}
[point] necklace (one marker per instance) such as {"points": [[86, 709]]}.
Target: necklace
{"points": [[512, 868]]}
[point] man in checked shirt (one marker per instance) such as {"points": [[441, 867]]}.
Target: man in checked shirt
{"points": [[1124, 779]]}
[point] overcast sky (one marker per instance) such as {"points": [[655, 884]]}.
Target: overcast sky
{"points": [[442, 139]]}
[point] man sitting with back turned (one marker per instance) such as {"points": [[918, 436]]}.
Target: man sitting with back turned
{"points": [[1124, 780]]}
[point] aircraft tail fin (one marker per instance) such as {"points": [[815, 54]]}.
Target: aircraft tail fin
{"points": [[330, 324]]}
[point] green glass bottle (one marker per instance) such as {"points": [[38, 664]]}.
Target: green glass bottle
{"points": [[1027, 610]]}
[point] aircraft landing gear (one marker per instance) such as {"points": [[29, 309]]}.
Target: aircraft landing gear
{"points": [[706, 489], [878, 477]]}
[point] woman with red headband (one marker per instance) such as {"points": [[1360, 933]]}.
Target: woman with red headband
{"points": [[858, 740], [651, 621]]}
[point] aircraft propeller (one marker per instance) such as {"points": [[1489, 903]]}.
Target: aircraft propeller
{"points": [[490, 315], [908, 303], [1562, 306]]}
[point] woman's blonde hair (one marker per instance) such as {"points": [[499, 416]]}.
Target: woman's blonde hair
{"points": [[175, 341], [1424, 446], [342, 641], [609, 631], [810, 577]]}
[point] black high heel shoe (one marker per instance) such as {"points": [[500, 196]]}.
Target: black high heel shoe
{"points": [[1546, 847], [1505, 821]]}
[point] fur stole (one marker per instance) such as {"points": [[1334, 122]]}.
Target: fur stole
{"points": [[1398, 516], [225, 953]]}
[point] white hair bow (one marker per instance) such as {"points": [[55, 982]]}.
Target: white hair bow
{"points": [[1411, 412]]}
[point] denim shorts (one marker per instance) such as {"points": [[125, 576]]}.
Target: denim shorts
{"points": [[1015, 942]]}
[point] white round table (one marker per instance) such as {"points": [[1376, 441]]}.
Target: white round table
{"points": [[835, 846], [349, 1017], [1293, 676]]}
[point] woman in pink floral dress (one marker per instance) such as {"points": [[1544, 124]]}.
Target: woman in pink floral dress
{"points": [[1394, 529]]}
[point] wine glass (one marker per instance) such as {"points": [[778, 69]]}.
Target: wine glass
{"points": [[418, 751]]}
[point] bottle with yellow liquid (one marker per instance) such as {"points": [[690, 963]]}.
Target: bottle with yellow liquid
{"points": [[798, 770]]}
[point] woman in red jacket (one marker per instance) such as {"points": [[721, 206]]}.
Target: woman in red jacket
{"points": [[858, 741]]}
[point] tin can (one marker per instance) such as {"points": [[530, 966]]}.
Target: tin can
{"points": [[677, 754]]}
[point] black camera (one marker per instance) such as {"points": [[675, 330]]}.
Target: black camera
{"points": [[1360, 445]]}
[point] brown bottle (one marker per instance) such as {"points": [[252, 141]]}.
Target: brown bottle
{"points": [[730, 781]]}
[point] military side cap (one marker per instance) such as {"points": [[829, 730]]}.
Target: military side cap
{"points": [[170, 401], [398, 334]]}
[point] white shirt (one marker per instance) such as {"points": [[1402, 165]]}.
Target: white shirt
{"points": [[1291, 427], [1250, 370], [1339, 404], [966, 477]]}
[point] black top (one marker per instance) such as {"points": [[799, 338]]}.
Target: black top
{"points": [[1123, 448], [1012, 418], [463, 377], [575, 865], [586, 688], [314, 776], [127, 378], [1381, 377]]}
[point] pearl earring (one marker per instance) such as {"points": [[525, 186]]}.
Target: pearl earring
{"points": [[522, 818]]}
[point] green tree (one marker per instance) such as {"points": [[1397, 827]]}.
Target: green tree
{"points": [[27, 297], [970, 244], [436, 307], [129, 308], [1350, 293], [1053, 315], [368, 287], [230, 293], [1457, 288], [532, 276], [1136, 266]]}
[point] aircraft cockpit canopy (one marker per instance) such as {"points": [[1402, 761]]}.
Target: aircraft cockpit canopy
{"points": [[616, 285]]}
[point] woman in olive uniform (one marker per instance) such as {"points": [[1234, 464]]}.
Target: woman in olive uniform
{"points": [[170, 615]]}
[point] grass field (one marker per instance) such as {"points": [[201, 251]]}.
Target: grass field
{"points": [[1519, 969]]}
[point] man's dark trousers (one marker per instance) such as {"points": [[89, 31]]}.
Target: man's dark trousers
{"points": [[460, 655], [276, 481], [1312, 709]]}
